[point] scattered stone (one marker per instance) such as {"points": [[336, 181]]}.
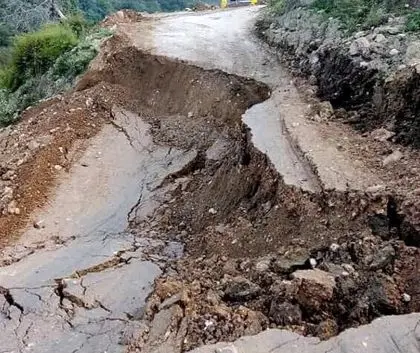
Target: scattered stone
{"points": [[392, 158], [312, 262], [412, 54], [334, 247], [382, 258], [212, 211], [9, 175], [263, 265], [58, 167], [315, 287], [383, 295], [12, 208], [38, 224], [190, 114], [360, 46], [290, 262], [285, 313], [33, 145], [406, 298], [170, 301], [325, 110], [382, 134], [380, 38], [394, 52], [241, 289]]}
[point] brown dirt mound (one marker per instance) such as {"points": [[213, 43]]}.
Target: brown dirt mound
{"points": [[122, 16]]}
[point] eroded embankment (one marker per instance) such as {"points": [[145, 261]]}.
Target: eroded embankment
{"points": [[372, 75], [259, 253]]}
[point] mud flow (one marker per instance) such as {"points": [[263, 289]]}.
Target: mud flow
{"points": [[232, 249]]}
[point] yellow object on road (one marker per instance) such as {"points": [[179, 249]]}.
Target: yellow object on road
{"points": [[254, 2], [223, 3]]}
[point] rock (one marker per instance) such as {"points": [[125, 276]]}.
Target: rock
{"points": [[253, 322], [382, 134], [327, 329], [312, 262], [325, 110], [392, 158], [218, 150], [38, 224], [291, 262], [241, 289], [263, 264], [382, 258], [391, 29], [380, 38], [360, 34], [383, 295], [212, 211], [58, 167], [315, 287], [170, 301], [334, 247], [394, 52], [33, 145], [412, 54], [360, 46], [285, 313], [12, 208], [406, 298], [190, 114], [9, 175]]}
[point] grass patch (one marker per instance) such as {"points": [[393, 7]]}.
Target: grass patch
{"points": [[361, 14], [34, 53], [413, 21], [56, 76]]}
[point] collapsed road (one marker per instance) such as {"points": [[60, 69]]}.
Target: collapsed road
{"points": [[186, 132]]}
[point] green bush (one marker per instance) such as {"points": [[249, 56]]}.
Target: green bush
{"points": [[7, 75], [78, 24], [5, 56], [34, 53], [58, 78], [277, 6], [75, 61], [360, 13], [413, 21]]}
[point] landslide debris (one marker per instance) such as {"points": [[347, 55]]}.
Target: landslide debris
{"points": [[260, 254]]}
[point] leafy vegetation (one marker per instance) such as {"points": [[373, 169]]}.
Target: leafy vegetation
{"points": [[361, 13], [277, 6], [413, 21], [46, 44], [34, 53], [45, 63]]}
